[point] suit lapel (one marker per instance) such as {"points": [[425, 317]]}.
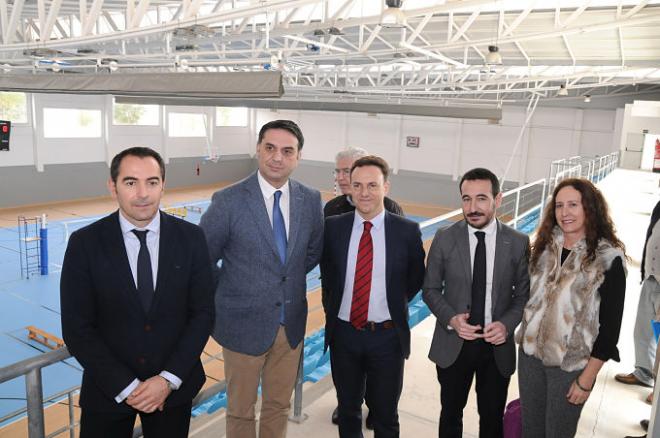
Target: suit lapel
{"points": [[390, 248], [343, 240], [296, 201], [463, 245], [256, 204], [502, 248], [166, 249], [114, 242]]}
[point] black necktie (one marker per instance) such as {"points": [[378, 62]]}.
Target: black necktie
{"points": [[479, 281], [145, 280]]}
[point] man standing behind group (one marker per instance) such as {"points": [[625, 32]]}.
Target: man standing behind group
{"points": [[267, 230], [137, 308], [343, 204], [476, 285], [372, 265]]}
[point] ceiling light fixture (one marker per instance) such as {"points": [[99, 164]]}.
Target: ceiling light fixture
{"points": [[587, 98], [493, 57], [335, 31], [563, 91], [393, 17]]}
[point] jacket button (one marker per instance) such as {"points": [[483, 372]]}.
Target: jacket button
{"points": [[147, 328], [283, 279], [278, 304]]}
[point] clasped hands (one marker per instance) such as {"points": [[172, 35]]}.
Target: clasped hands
{"points": [[149, 395], [493, 333]]}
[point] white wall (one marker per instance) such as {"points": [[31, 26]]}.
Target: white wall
{"points": [[452, 146], [638, 117], [447, 146], [30, 147]]}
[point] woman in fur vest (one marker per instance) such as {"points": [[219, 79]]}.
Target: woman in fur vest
{"points": [[571, 322]]}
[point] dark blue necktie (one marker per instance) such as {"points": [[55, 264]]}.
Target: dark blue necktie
{"points": [[145, 280], [477, 314], [279, 231]]}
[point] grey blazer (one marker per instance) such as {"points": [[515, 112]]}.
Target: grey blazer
{"points": [[252, 283], [448, 289]]}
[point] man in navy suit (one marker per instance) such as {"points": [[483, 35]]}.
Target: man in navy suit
{"points": [[137, 308], [268, 232], [372, 266]]}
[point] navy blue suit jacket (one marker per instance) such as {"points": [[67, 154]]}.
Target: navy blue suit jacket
{"points": [[105, 326], [404, 266]]}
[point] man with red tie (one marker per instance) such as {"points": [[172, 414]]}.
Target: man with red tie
{"points": [[372, 266]]}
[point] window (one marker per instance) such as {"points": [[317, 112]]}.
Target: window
{"points": [[72, 123], [186, 125], [230, 116], [13, 107], [134, 114]]}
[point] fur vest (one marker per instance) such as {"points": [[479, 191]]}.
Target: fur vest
{"points": [[560, 321]]}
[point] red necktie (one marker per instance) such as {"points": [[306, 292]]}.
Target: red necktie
{"points": [[362, 281]]}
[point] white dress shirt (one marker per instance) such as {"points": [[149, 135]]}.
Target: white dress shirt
{"points": [[132, 244], [268, 192], [490, 238], [378, 308]]}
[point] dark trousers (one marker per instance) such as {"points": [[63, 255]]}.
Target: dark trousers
{"points": [[376, 356], [172, 422], [476, 358]]}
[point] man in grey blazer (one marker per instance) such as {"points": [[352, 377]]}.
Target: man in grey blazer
{"points": [[476, 285], [267, 230]]}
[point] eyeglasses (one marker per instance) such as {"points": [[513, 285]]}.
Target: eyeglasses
{"points": [[345, 172]]}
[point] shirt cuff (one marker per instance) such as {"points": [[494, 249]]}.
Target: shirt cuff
{"points": [[174, 380], [127, 391]]}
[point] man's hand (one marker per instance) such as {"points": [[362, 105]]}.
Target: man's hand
{"points": [[463, 329], [495, 333], [149, 395]]}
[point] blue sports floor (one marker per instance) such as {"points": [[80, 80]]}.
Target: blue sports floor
{"points": [[35, 301]]}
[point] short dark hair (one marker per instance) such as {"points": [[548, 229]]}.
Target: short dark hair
{"points": [[287, 125], [137, 151], [372, 160], [481, 173]]}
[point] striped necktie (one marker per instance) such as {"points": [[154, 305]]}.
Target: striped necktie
{"points": [[362, 282]]}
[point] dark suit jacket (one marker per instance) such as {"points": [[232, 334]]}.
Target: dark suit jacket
{"points": [[448, 289], [404, 266], [107, 330], [654, 218]]}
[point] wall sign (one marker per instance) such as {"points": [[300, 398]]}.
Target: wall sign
{"points": [[412, 142]]}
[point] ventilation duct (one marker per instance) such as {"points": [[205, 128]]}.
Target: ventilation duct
{"points": [[267, 84]]}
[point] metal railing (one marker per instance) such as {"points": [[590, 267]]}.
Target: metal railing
{"points": [[517, 204], [31, 369]]}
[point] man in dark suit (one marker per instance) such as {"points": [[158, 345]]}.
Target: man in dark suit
{"points": [[268, 232], [372, 265], [476, 285], [137, 308], [343, 204]]}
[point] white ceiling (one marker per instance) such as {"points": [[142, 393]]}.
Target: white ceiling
{"points": [[598, 47]]}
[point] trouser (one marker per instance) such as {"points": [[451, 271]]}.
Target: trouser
{"points": [[645, 345], [277, 369], [546, 413], [376, 356], [171, 422], [475, 359]]}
